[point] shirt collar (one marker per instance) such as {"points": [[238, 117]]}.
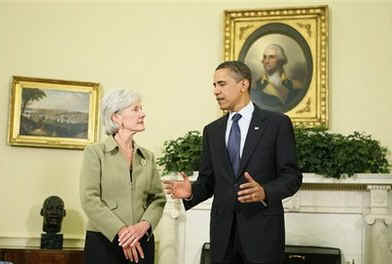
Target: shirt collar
{"points": [[246, 112], [282, 75], [111, 145]]}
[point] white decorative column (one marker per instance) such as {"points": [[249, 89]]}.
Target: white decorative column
{"points": [[170, 232], [378, 249]]}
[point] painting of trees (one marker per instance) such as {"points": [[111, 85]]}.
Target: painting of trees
{"points": [[30, 95]]}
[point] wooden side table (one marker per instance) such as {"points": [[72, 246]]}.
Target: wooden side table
{"points": [[30, 255]]}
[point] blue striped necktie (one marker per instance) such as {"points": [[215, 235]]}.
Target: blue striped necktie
{"points": [[233, 145]]}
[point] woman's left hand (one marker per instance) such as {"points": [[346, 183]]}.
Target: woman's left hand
{"points": [[133, 233], [133, 253]]}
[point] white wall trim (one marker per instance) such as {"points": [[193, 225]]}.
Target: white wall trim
{"points": [[19, 242], [359, 178]]}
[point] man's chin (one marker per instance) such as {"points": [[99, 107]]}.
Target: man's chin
{"points": [[222, 106], [270, 71]]}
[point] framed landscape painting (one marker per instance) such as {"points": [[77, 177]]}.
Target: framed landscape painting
{"points": [[287, 52], [53, 113]]}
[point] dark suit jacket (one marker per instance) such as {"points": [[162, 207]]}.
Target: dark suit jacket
{"points": [[269, 157]]}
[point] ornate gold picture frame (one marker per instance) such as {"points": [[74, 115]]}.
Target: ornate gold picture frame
{"points": [[53, 113], [287, 51]]}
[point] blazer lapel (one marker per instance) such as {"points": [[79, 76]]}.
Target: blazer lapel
{"points": [[221, 150], [255, 132]]}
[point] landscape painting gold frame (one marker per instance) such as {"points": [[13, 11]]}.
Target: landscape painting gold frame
{"points": [[53, 113], [302, 33]]}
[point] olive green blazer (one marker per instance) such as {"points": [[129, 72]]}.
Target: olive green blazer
{"points": [[111, 197]]}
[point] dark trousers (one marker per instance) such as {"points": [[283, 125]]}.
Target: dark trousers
{"points": [[234, 252], [98, 249]]}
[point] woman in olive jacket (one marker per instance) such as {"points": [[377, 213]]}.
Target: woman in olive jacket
{"points": [[120, 188]]}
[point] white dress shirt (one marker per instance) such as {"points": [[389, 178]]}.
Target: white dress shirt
{"points": [[243, 123]]}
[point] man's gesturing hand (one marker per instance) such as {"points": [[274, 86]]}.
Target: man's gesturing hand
{"points": [[251, 191], [178, 189]]}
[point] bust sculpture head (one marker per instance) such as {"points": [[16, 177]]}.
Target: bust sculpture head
{"points": [[53, 213]]}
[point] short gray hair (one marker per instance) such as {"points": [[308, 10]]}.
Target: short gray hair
{"points": [[279, 53], [113, 102]]}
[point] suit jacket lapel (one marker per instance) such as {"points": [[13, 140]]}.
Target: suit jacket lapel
{"points": [[255, 132], [221, 150]]}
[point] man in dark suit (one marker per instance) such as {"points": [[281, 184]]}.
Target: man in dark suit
{"points": [[249, 166]]}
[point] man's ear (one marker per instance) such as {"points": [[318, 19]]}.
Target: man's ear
{"points": [[245, 85], [64, 212], [42, 212]]}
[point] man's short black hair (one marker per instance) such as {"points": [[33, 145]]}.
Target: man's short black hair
{"points": [[240, 69]]}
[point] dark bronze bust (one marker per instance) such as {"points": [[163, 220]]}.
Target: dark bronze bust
{"points": [[53, 212]]}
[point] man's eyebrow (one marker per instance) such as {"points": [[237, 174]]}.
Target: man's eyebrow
{"points": [[219, 82]]}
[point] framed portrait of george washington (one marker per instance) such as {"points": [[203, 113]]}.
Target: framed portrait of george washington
{"points": [[53, 113], [287, 52]]}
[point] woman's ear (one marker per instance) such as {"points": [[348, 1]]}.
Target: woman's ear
{"points": [[116, 118]]}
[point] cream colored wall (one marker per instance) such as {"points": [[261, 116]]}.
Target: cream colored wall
{"points": [[167, 52]]}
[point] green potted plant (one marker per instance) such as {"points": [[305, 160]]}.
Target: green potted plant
{"points": [[335, 155], [181, 154], [318, 151]]}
